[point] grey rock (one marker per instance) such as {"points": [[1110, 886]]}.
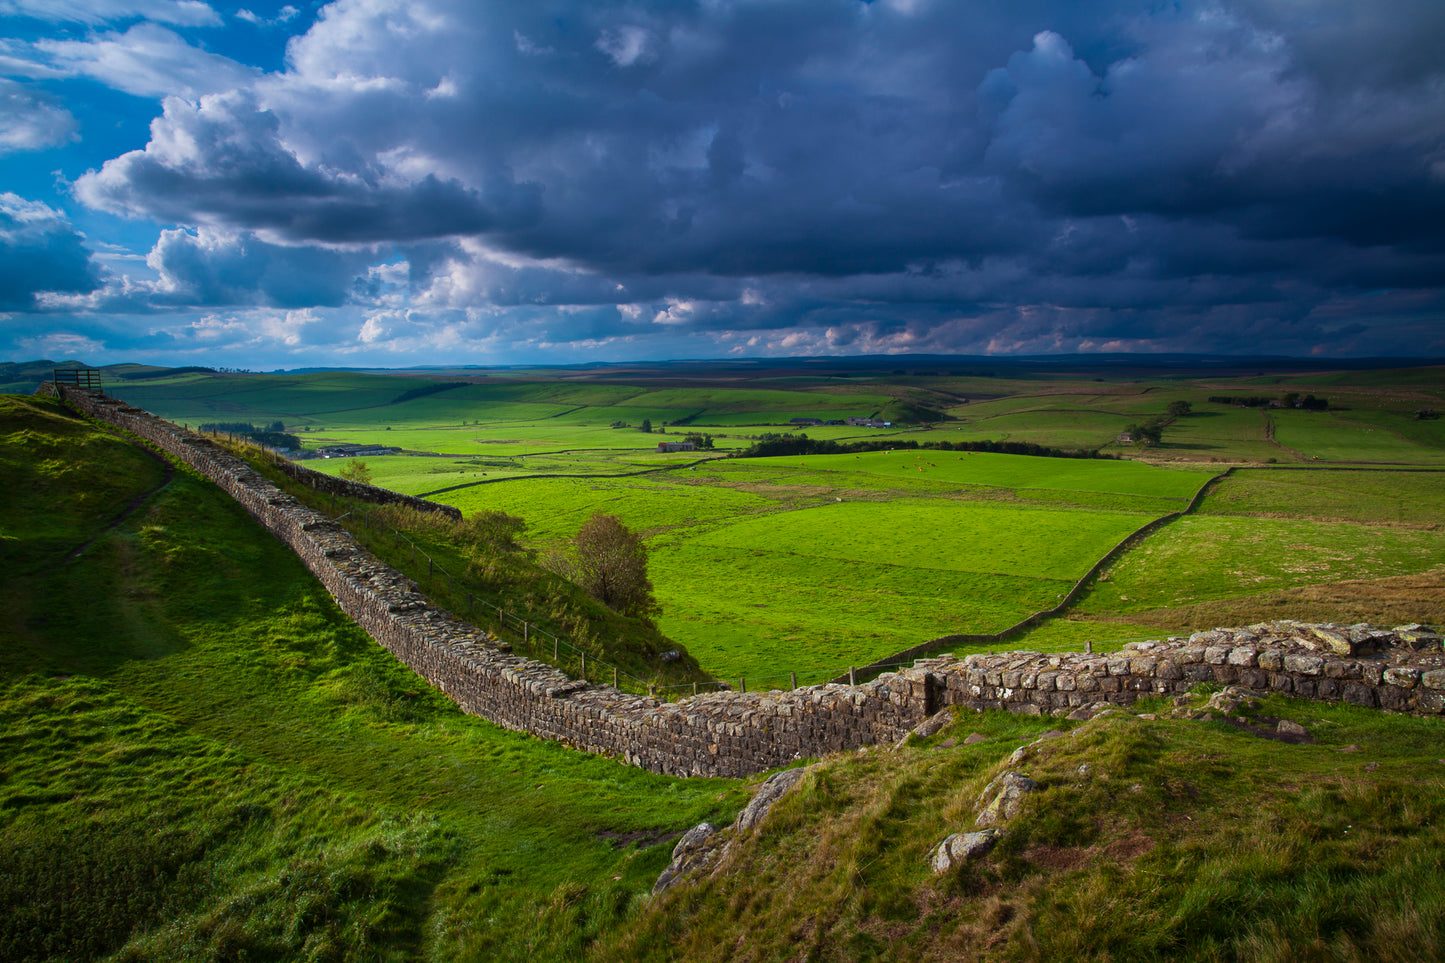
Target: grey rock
{"points": [[1290, 728], [692, 851], [934, 724], [1002, 798], [961, 847], [768, 793], [1333, 640]]}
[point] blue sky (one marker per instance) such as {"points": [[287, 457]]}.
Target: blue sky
{"points": [[377, 182]]}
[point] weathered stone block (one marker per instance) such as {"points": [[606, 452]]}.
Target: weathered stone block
{"points": [[1242, 656], [1337, 669], [1217, 654], [1405, 678], [1168, 671], [1357, 693], [1304, 664], [1434, 679]]}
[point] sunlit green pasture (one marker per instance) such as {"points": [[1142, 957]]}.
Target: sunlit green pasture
{"points": [[756, 612], [1054, 427], [555, 508], [1226, 433], [1335, 438], [1202, 558], [1414, 498], [1421, 431], [980, 537], [1001, 471], [763, 566]]}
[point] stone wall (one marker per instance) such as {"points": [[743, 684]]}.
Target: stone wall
{"points": [[718, 734], [741, 733], [1400, 669], [331, 485]]}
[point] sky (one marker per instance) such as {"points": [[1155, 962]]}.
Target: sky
{"points": [[413, 182]]}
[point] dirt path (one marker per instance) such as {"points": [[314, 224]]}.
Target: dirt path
{"points": [[132, 506]]}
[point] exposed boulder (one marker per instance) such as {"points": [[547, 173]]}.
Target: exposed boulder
{"points": [[1417, 637], [768, 793], [962, 847], [1000, 800], [693, 851]]}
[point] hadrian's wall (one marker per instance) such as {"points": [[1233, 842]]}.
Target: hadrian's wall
{"points": [[331, 485], [1400, 669], [719, 734], [737, 734]]}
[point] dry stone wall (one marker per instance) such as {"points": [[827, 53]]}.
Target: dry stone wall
{"points": [[742, 733], [718, 734], [330, 484], [1400, 669]]}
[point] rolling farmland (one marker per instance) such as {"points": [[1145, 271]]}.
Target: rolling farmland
{"points": [[808, 564]]}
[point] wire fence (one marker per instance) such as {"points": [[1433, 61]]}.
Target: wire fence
{"points": [[535, 638]]}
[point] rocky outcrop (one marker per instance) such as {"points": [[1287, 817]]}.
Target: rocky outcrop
{"points": [[962, 847], [702, 848], [1000, 800], [693, 852]]}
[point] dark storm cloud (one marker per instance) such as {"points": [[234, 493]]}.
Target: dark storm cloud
{"points": [[40, 253], [1030, 176], [224, 162]]}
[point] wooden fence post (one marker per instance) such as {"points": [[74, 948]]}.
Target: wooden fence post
{"points": [[852, 676], [792, 680]]}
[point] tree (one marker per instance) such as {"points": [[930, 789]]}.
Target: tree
{"points": [[611, 564], [646, 425], [1178, 409], [356, 471]]}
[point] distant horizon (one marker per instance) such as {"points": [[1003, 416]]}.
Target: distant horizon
{"points": [[1162, 360]]}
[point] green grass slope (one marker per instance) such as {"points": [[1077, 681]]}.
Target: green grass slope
{"points": [[1153, 838], [202, 758]]}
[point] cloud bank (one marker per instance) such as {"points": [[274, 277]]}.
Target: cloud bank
{"points": [[806, 176]]}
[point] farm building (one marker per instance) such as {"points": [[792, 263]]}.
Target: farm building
{"points": [[676, 446]]}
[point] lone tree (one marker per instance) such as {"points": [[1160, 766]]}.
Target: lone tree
{"points": [[356, 471], [611, 564]]}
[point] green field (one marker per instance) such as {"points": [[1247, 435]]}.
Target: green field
{"points": [[765, 567], [768, 566], [1336, 438]]}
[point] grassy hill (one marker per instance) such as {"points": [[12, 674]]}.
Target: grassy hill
{"points": [[1154, 836], [201, 757]]}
